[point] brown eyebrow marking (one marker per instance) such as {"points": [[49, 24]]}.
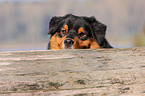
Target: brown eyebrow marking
{"points": [[80, 30], [65, 27]]}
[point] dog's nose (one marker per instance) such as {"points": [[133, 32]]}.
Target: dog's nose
{"points": [[68, 42]]}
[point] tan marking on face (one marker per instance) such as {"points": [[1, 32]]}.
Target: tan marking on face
{"points": [[76, 43], [89, 44], [79, 44], [94, 44], [66, 27], [56, 42], [80, 30], [64, 30]]}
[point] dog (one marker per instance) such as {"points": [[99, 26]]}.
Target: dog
{"points": [[76, 32]]}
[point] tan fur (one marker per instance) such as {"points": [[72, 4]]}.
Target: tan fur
{"points": [[80, 30], [94, 44], [55, 42], [58, 43]]}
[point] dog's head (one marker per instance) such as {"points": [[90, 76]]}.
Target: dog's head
{"points": [[74, 32]]}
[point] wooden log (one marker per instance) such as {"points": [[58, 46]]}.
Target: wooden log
{"points": [[100, 72]]}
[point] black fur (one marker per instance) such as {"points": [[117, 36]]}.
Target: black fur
{"points": [[94, 28]]}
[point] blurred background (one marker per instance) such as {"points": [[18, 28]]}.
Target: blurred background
{"points": [[24, 23]]}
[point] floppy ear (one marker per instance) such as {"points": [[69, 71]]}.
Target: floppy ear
{"points": [[53, 25], [98, 30]]}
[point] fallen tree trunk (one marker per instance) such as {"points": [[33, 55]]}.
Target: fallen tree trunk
{"points": [[103, 72]]}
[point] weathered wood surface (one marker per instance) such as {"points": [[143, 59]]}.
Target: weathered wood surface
{"points": [[101, 72]]}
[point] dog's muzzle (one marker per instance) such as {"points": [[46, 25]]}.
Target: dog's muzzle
{"points": [[68, 43]]}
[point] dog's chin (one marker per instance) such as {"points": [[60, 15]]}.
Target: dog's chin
{"points": [[68, 47]]}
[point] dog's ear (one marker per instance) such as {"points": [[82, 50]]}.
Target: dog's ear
{"points": [[98, 29], [53, 25]]}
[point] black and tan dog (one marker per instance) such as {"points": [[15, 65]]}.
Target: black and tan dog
{"points": [[77, 32]]}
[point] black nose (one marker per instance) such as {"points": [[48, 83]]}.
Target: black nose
{"points": [[68, 42]]}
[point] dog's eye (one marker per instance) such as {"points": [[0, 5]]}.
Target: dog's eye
{"points": [[63, 31], [82, 35]]}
